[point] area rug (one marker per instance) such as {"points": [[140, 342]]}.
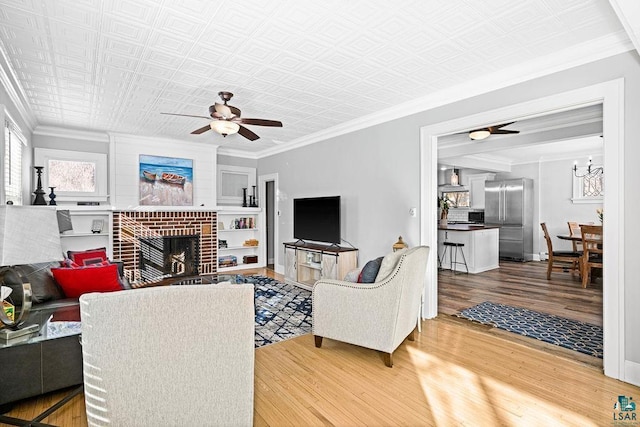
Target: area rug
{"points": [[567, 333], [282, 311]]}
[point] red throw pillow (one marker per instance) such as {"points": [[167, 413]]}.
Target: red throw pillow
{"points": [[91, 256], [77, 281]]}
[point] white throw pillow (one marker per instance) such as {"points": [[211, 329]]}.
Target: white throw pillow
{"points": [[352, 276], [389, 264]]}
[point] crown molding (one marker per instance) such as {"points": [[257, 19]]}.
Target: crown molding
{"points": [[83, 135], [117, 137], [584, 53], [14, 89], [628, 12], [239, 153]]}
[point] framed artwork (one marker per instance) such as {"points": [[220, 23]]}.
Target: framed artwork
{"points": [[165, 181]]}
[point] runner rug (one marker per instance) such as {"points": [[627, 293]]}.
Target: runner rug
{"points": [[567, 333], [282, 311]]}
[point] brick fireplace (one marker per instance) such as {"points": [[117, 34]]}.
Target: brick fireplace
{"points": [[139, 238]]}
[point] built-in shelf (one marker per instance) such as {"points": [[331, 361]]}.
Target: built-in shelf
{"points": [[235, 248], [81, 237], [235, 238]]}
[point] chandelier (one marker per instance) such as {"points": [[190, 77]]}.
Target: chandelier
{"points": [[591, 171]]}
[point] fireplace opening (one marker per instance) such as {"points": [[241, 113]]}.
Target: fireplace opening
{"points": [[169, 256]]}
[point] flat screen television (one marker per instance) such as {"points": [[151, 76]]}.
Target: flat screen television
{"points": [[317, 219]]}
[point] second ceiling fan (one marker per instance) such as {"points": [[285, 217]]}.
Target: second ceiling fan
{"points": [[227, 120], [484, 133]]}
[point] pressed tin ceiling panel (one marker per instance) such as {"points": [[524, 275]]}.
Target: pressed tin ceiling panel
{"points": [[115, 65]]}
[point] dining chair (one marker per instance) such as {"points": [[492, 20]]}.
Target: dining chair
{"points": [[559, 259], [574, 230], [592, 251]]}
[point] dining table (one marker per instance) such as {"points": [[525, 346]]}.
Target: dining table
{"points": [[574, 237]]}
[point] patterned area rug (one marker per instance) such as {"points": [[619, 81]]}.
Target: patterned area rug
{"points": [[567, 333], [282, 311]]}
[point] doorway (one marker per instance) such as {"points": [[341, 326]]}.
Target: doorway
{"points": [[268, 191], [610, 94]]}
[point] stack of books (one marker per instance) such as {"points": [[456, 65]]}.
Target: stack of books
{"points": [[227, 261]]}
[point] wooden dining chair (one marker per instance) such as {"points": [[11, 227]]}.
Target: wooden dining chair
{"points": [[574, 230], [559, 259], [591, 251]]}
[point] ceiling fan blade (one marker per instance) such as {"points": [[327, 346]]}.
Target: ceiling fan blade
{"points": [[503, 131], [260, 122], [247, 133], [201, 130], [236, 111], [185, 115], [502, 125]]}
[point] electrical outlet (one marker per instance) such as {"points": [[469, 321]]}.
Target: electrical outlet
{"points": [[413, 212]]}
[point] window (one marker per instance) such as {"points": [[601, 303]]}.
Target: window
{"points": [[76, 175], [588, 188], [231, 181], [457, 199], [14, 142]]}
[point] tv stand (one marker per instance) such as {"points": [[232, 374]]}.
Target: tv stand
{"points": [[306, 263]]}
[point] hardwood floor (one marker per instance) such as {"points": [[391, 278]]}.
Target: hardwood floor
{"points": [[523, 284], [452, 374]]}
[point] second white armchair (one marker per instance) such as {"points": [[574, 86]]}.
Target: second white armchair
{"points": [[376, 315]]}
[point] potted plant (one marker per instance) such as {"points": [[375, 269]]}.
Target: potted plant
{"points": [[444, 210]]}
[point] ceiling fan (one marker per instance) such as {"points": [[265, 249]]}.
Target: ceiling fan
{"points": [[227, 121], [491, 130]]}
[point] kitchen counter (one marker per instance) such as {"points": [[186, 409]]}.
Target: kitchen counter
{"points": [[480, 246], [466, 227]]}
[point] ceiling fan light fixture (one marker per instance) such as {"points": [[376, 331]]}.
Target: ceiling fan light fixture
{"points": [[224, 127], [479, 134]]}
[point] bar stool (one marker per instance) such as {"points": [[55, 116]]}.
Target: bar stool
{"points": [[453, 257]]}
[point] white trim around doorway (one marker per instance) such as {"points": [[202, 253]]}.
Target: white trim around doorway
{"points": [[611, 95]]}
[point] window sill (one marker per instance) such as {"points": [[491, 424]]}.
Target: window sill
{"points": [[595, 200]]}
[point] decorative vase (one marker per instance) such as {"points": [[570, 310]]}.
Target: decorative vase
{"points": [[52, 197], [443, 222], [244, 197]]}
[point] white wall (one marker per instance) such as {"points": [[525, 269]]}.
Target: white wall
{"points": [[556, 207], [374, 171], [125, 173]]}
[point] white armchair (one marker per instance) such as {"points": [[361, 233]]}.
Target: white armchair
{"points": [[376, 315], [169, 355]]}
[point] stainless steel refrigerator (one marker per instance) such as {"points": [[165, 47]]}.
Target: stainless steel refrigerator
{"points": [[509, 205]]}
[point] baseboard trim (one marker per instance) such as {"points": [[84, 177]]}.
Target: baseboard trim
{"points": [[632, 372]]}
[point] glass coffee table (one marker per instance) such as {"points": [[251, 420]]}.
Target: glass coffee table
{"points": [[211, 279], [46, 360]]}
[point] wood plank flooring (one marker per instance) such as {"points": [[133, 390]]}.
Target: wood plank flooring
{"points": [[522, 284], [452, 374]]}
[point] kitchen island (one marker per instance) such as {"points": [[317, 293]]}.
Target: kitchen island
{"points": [[481, 246]]}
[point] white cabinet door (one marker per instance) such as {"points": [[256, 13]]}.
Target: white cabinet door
{"points": [[476, 189]]}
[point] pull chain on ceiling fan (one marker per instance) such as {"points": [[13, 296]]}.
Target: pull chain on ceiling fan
{"points": [[227, 120]]}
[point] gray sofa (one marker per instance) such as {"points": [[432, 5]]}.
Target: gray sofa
{"points": [[41, 365]]}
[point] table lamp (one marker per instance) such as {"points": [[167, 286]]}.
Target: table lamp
{"points": [[28, 235]]}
